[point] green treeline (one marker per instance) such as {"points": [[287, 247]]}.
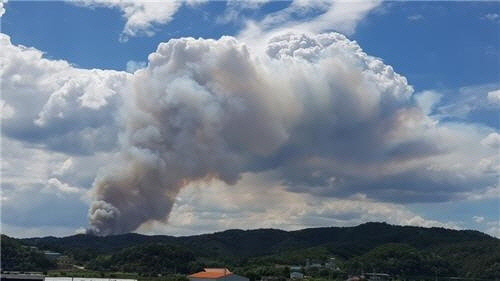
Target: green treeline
{"points": [[401, 251]]}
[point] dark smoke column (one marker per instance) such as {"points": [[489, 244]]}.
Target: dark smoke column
{"points": [[187, 118], [130, 195]]}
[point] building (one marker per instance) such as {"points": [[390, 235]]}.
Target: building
{"points": [[84, 279], [52, 255], [296, 275], [332, 264], [16, 276], [216, 274]]}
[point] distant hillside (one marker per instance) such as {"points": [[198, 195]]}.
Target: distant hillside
{"points": [[267, 241], [16, 256], [387, 247]]}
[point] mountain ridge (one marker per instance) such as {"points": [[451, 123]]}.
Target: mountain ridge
{"points": [[390, 248]]}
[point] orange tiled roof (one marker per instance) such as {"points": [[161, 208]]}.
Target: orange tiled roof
{"points": [[211, 273]]}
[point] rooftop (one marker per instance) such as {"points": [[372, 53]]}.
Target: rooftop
{"points": [[211, 273]]}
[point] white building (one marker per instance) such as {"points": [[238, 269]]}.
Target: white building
{"points": [[296, 275], [84, 279], [216, 274]]}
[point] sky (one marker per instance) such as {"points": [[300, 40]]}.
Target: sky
{"points": [[197, 116]]}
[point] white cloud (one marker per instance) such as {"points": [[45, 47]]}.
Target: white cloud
{"points": [[469, 99], [491, 17], [66, 166], [2, 7], [141, 16], [427, 100], [493, 228], [235, 8], [494, 97], [55, 185], [302, 16], [492, 140], [342, 16], [133, 66], [415, 17], [51, 102], [478, 219], [6, 111]]}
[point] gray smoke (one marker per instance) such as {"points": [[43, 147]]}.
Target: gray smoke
{"points": [[206, 109]]}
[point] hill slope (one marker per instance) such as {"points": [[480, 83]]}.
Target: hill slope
{"points": [[267, 241], [452, 252]]}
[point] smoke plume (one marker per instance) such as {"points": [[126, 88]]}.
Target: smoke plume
{"points": [[215, 108]]}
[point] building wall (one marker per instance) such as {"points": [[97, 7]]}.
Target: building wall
{"points": [[20, 277], [84, 279]]}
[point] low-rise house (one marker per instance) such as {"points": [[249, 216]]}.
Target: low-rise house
{"points": [[52, 255], [296, 275], [216, 274]]}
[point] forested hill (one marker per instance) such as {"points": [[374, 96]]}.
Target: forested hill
{"points": [[267, 241], [388, 248]]}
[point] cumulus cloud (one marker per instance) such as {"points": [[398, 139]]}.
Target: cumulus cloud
{"points": [[494, 97], [55, 104], [328, 119], [40, 189]]}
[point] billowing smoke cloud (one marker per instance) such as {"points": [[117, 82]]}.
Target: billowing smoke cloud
{"points": [[313, 111], [316, 109]]}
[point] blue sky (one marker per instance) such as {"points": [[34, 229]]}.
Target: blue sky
{"points": [[447, 51], [451, 44]]}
